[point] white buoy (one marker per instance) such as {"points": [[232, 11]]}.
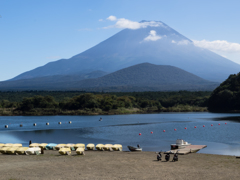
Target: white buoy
{"points": [[34, 124], [70, 122], [6, 126], [47, 123], [59, 123]]}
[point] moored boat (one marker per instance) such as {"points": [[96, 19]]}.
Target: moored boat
{"points": [[12, 150], [71, 146], [8, 145], [179, 144], [132, 148], [33, 151], [51, 146], [100, 147], [79, 145], [3, 150], [117, 147], [16, 145], [107, 147], [43, 145], [65, 151], [80, 151], [34, 145], [59, 146], [90, 146], [21, 150], [1, 145]]}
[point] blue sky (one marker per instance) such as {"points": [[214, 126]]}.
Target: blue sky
{"points": [[33, 33]]}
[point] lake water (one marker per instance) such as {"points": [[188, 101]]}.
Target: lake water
{"points": [[125, 129]]}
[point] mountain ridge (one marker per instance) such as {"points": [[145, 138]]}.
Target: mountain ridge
{"points": [[141, 77]]}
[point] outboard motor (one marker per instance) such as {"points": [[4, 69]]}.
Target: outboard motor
{"points": [[159, 156], [167, 157], [175, 156]]}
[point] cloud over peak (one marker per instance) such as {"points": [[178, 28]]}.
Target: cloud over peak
{"points": [[126, 23], [152, 36]]}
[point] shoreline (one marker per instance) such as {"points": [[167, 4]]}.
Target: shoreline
{"points": [[118, 165], [54, 112]]}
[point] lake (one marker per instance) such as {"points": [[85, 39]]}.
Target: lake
{"points": [[124, 129]]}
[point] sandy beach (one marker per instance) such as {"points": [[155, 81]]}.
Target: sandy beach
{"points": [[117, 165]]}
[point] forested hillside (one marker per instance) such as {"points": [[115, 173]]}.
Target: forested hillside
{"points": [[53, 103], [226, 97]]}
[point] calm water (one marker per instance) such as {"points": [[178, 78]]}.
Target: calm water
{"points": [[125, 129]]}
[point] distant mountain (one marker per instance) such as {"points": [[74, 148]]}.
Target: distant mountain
{"points": [[141, 77], [157, 44]]}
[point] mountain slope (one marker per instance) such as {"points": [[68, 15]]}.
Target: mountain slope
{"points": [[141, 77], [130, 47]]}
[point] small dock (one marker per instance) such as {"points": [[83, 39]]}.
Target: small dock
{"points": [[187, 149]]}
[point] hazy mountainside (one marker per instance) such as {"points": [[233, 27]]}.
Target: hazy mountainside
{"points": [[164, 46], [141, 77], [48, 81], [226, 97]]}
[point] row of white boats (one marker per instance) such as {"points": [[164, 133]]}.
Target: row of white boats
{"points": [[64, 149]]}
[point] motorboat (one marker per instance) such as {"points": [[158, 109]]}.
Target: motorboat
{"points": [[90, 146], [179, 144], [117, 147], [33, 151], [132, 148], [65, 151], [80, 151], [100, 147]]}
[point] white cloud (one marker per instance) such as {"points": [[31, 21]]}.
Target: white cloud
{"points": [[100, 20], [218, 45], [112, 18], [152, 36], [125, 23], [182, 42]]}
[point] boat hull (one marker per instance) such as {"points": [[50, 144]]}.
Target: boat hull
{"points": [[131, 148]]}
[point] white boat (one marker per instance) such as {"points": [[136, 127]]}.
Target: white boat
{"points": [[179, 144], [132, 148], [33, 151]]}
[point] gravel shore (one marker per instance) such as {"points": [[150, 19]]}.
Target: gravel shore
{"points": [[117, 165]]}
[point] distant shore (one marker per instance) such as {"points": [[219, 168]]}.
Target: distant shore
{"points": [[118, 165], [95, 111]]}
